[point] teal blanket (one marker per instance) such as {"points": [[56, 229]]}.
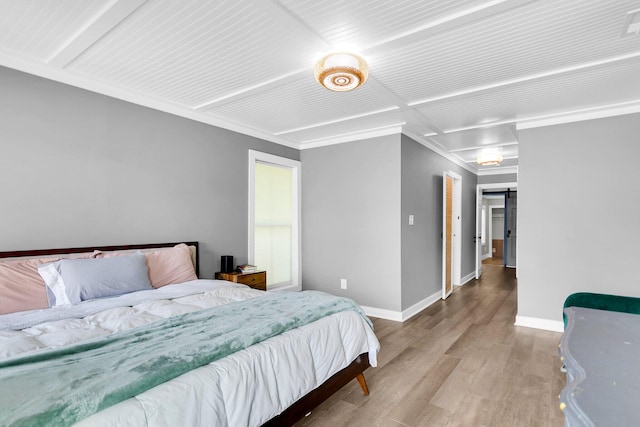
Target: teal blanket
{"points": [[60, 387]]}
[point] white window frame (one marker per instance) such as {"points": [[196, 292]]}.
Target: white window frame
{"points": [[295, 166]]}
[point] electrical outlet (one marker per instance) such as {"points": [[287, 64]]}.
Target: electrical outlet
{"points": [[343, 283]]}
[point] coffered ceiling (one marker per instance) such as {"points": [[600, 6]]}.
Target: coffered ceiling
{"points": [[459, 76]]}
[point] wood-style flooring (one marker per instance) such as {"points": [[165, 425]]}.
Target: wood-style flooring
{"points": [[460, 362], [493, 261]]}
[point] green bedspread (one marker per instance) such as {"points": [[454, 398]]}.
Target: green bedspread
{"points": [[60, 387]]}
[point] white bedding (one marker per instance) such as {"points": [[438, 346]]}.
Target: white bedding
{"points": [[247, 388]]}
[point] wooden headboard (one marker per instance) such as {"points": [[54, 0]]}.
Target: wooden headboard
{"points": [[62, 251]]}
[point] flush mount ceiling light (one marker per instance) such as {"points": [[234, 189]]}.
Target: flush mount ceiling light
{"points": [[341, 71], [489, 159]]}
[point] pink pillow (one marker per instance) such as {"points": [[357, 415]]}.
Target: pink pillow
{"points": [[21, 286], [167, 266]]}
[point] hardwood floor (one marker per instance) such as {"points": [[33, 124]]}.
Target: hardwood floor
{"points": [[460, 362], [493, 261]]}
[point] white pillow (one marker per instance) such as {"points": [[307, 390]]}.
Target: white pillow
{"points": [[54, 285]]}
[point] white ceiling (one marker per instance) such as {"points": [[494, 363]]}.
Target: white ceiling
{"points": [[459, 76]]}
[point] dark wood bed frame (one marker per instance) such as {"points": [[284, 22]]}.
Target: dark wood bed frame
{"points": [[315, 397], [61, 251], [293, 413]]}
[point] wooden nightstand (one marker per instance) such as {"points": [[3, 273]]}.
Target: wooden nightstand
{"points": [[255, 280]]}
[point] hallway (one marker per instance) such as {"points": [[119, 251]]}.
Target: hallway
{"points": [[460, 362]]}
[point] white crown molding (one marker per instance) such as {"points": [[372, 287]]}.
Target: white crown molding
{"points": [[433, 147], [382, 111], [48, 71], [352, 136], [498, 171], [601, 112]]}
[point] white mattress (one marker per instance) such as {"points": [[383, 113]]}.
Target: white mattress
{"points": [[245, 389]]}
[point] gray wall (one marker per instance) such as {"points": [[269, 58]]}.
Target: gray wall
{"points": [[497, 179], [573, 179], [422, 171], [78, 168], [356, 203], [81, 169], [351, 220]]}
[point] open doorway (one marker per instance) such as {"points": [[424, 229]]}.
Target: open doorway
{"points": [[501, 229], [490, 198], [493, 233], [451, 231]]}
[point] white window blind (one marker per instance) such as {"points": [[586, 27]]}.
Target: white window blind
{"points": [[273, 222], [274, 219]]}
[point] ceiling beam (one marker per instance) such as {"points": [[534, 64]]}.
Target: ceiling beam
{"points": [[303, 31], [105, 19], [444, 23], [528, 78]]}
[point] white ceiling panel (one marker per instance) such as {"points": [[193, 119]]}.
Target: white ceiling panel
{"points": [[511, 45], [339, 130], [595, 87], [458, 76], [477, 138], [195, 54], [300, 104], [363, 23], [39, 28]]}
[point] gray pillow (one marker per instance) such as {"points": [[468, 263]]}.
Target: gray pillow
{"points": [[70, 281]]}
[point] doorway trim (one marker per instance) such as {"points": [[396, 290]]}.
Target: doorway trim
{"points": [[456, 229], [479, 189], [296, 198], [491, 208]]}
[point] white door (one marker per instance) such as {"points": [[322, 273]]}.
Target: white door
{"points": [[479, 231]]}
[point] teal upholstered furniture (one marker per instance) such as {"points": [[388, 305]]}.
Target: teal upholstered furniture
{"points": [[608, 302]]}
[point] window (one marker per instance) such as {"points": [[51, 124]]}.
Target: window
{"points": [[274, 218]]}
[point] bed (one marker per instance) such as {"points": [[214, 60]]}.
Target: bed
{"points": [[77, 347]]}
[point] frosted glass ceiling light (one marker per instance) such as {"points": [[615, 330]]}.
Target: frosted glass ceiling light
{"points": [[489, 159], [341, 71]]}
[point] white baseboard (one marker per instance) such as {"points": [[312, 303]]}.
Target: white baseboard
{"points": [[421, 305], [382, 313], [466, 279], [534, 322], [485, 256], [401, 316]]}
